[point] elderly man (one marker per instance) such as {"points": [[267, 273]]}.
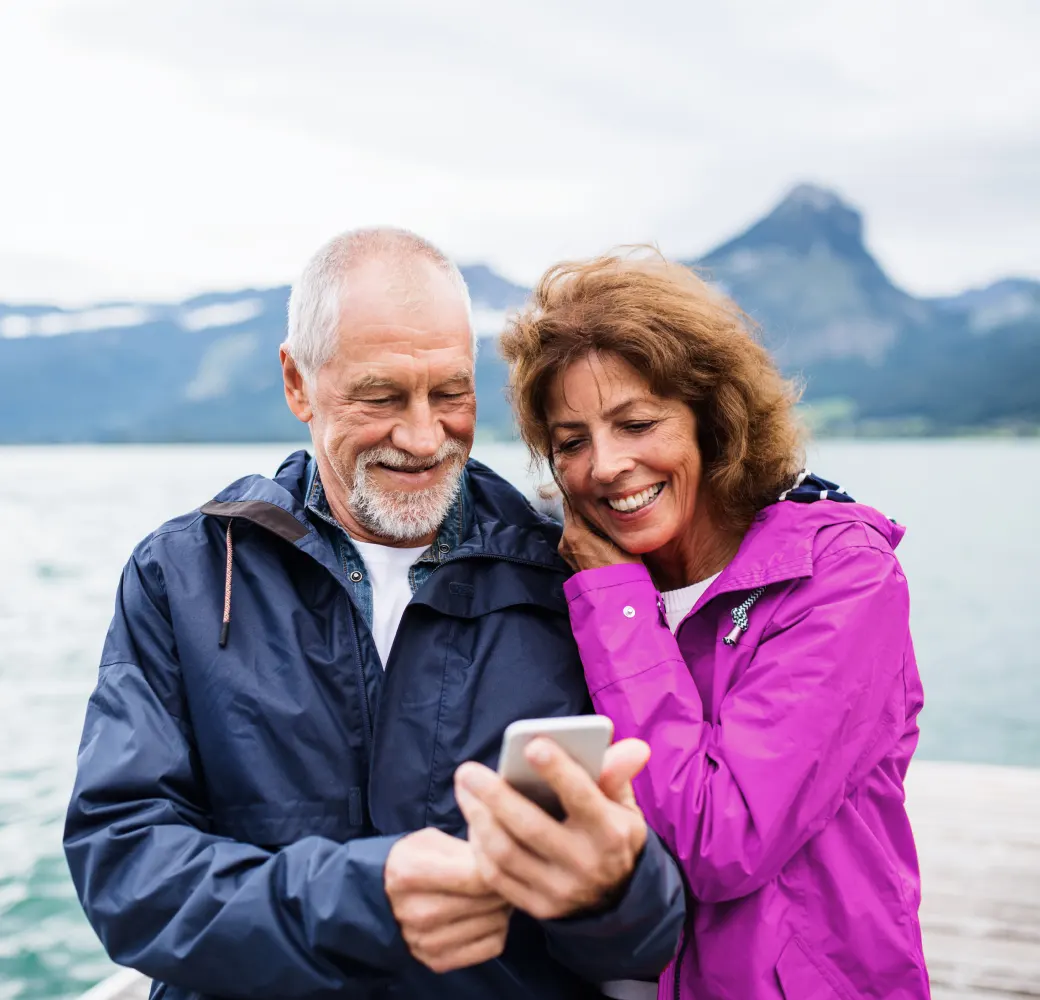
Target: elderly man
{"points": [[265, 803]]}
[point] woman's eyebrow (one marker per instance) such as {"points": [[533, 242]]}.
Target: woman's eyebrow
{"points": [[566, 425], [614, 411], [624, 405]]}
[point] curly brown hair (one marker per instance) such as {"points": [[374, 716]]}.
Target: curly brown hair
{"points": [[690, 343]]}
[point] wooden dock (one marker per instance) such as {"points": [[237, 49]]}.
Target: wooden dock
{"points": [[978, 836]]}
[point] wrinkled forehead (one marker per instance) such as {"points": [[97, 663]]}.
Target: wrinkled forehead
{"points": [[409, 292], [593, 384]]}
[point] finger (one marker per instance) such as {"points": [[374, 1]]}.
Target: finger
{"points": [[578, 793], [540, 902], [430, 910], [432, 861], [622, 762], [451, 935], [492, 842], [525, 822], [472, 953]]}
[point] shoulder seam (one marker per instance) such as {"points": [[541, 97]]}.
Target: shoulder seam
{"points": [[833, 553], [169, 529]]}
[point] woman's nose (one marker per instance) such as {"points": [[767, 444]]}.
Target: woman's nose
{"points": [[609, 462]]}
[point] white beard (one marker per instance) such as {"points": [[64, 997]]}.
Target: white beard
{"points": [[405, 516]]}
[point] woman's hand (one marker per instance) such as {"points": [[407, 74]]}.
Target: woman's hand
{"points": [[583, 547]]}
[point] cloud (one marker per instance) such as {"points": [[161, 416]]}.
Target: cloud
{"points": [[174, 148]]}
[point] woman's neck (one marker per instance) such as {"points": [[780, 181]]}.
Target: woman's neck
{"points": [[697, 554]]}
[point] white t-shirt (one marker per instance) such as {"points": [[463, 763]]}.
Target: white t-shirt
{"points": [[388, 576], [629, 989], [679, 603]]}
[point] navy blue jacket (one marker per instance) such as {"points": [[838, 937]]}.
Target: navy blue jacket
{"points": [[234, 806]]}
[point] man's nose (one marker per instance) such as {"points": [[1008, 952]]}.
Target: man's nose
{"points": [[418, 432], [609, 461]]}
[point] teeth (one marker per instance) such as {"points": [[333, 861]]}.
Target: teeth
{"points": [[636, 500]]}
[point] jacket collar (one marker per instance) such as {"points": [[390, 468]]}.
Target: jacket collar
{"points": [[502, 523], [780, 542]]}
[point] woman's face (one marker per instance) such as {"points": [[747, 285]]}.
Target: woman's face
{"points": [[627, 459]]}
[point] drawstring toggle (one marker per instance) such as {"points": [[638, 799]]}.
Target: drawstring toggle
{"points": [[740, 616]]}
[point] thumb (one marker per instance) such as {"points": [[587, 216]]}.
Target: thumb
{"points": [[623, 761]]}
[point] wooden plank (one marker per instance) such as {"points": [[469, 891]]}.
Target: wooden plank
{"points": [[977, 829]]}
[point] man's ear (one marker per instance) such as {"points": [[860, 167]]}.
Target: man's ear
{"points": [[296, 392]]}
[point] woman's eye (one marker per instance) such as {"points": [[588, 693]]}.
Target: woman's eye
{"points": [[638, 426], [567, 447]]}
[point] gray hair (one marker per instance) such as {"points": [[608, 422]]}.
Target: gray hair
{"points": [[316, 300]]}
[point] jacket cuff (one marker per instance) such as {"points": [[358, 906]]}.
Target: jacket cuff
{"points": [[606, 576], [638, 935], [619, 623], [366, 906]]}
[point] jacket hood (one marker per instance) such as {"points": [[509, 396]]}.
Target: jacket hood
{"points": [[783, 538]]}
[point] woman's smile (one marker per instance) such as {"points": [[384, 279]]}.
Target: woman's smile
{"points": [[634, 504]]}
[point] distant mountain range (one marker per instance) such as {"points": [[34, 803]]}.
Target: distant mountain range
{"points": [[874, 359]]}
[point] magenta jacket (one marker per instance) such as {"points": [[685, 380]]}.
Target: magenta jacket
{"points": [[776, 777]]}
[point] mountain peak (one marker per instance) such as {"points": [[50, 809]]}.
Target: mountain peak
{"points": [[811, 197], [807, 219], [819, 215]]}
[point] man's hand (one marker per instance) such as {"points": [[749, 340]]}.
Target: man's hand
{"points": [[448, 915], [548, 868]]}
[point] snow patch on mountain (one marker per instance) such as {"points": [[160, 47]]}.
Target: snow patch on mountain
{"points": [[59, 322], [221, 314], [216, 371]]}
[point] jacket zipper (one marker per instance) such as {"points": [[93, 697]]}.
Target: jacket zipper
{"points": [[678, 966], [366, 707]]}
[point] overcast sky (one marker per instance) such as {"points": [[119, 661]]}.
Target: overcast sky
{"points": [[152, 150]]}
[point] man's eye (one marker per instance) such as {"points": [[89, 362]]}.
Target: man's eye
{"points": [[454, 395], [381, 400]]}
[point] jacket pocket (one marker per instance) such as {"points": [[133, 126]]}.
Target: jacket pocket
{"points": [[803, 977]]}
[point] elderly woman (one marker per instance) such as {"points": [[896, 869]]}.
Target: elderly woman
{"points": [[758, 642]]}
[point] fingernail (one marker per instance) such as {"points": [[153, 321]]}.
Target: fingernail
{"points": [[471, 777], [539, 751]]}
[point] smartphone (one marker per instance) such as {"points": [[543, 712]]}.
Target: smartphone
{"points": [[584, 737]]}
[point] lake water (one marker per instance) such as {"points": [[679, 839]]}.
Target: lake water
{"points": [[70, 516]]}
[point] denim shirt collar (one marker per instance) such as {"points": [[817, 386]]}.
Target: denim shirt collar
{"points": [[453, 530]]}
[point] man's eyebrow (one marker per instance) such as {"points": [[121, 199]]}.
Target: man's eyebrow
{"points": [[373, 383], [463, 377]]}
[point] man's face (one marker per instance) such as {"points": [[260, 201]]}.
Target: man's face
{"points": [[393, 413]]}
